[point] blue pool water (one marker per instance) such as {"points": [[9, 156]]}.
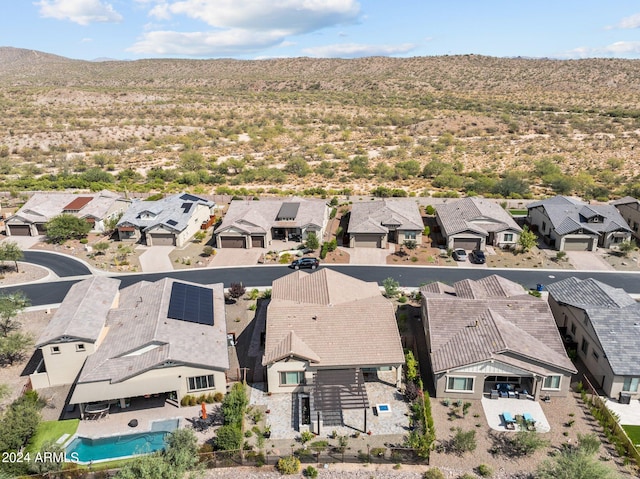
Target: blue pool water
{"points": [[114, 447]]}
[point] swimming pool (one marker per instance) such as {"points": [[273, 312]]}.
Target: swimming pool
{"points": [[117, 447]]}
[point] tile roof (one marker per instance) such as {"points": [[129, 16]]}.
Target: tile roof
{"points": [[83, 311], [372, 216], [491, 320], [141, 336], [570, 214], [625, 201], [614, 316], [331, 319], [41, 207], [258, 217], [173, 212], [475, 214]]}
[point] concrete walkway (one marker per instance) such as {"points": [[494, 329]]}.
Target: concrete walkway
{"points": [[155, 259]]}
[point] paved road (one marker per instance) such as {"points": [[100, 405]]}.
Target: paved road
{"points": [[410, 276], [62, 265]]}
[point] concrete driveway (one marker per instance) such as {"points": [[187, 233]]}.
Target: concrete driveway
{"points": [[24, 242], [237, 256], [155, 259], [588, 261], [368, 255]]}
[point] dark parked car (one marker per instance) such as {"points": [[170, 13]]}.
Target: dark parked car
{"points": [[459, 254], [478, 257], [305, 263]]}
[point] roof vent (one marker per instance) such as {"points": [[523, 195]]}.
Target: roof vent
{"points": [[315, 318]]}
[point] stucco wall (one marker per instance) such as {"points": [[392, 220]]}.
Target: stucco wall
{"points": [[631, 214], [274, 370], [63, 367]]}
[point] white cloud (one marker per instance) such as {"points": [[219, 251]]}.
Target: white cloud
{"points": [[618, 50], [216, 43], [86, 40], [82, 12], [354, 50], [240, 26], [630, 22]]}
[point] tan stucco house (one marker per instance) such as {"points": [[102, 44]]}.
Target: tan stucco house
{"points": [[489, 334], [375, 224], [629, 209], [474, 223], [171, 221], [568, 224], [163, 338], [254, 224], [95, 208], [604, 324]]}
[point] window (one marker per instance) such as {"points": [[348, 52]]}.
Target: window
{"points": [[584, 347], [595, 355], [291, 378], [409, 235], [201, 382], [544, 226], [630, 385], [459, 384], [79, 348], [508, 236], [551, 382], [55, 349], [573, 328]]}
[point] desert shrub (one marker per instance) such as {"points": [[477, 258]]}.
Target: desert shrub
{"points": [[311, 472], [433, 473], [525, 443], [218, 396], [411, 366], [463, 441], [588, 443], [207, 251], [390, 287], [228, 438], [288, 465], [306, 436], [236, 290], [484, 471]]}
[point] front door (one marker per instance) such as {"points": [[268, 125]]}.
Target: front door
{"points": [[305, 411]]}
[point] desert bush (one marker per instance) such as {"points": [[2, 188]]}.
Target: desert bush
{"points": [[288, 465], [433, 473]]}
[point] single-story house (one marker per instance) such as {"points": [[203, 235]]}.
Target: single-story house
{"points": [[326, 330], [473, 223], [568, 224], [254, 224], [162, 338], [604, 324], [629, 209], [374, 224], [171, 221], [95, 208], [490, 332]]}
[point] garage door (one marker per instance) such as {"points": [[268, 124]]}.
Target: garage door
{"points": [[162, 240], [577, 244], [469, 244], [367, 241], [20, 230], [232, 242], [257, 241]]}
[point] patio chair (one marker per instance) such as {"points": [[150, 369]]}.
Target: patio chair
{"points": [[529, 422], [494, 394], [509, 421]]}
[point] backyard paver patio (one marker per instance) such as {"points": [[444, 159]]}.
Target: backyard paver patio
{"points": [[493, 409]]}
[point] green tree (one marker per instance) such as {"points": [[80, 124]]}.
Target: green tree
{"points": [[527, 240], [96, 175], [192, 161], [359, 166], [312, 241], [44, 467], [391, 287], [435, 168], [298, 166], [10, 251], [407, 169], [65, 227], [152, 466], [10, 306], [575, 464], [182, 450], [512, 185], [20, 422], [101, 247], [14, 346]]}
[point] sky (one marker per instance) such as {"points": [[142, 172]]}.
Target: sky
{"points": [[260, 29]]}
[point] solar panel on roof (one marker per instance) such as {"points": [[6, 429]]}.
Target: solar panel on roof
{"points": [[186, 207], [188, 197], [172, 222], [193, 304]]}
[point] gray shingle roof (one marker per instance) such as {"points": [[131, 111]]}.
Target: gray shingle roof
{"points": [[83, 312], [372, 216], [173, 212], [614, 315], [257, 217], [336, 320], [475, 214], [570, 214], [140, 335], [41, 207], [625, 201], [492, 320]]}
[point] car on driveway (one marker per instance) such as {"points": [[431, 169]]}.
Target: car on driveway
{"points": [[478, 257], [459, 254], [307, 262]]}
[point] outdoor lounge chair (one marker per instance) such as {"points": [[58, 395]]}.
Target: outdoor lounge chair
{"points": [[529, 422], [509, 421], [494, 394]]}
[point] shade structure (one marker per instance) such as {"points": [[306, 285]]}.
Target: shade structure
{"points": [[336, 390]]}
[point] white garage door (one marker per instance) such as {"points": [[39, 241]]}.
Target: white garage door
{"points": [[367, 241], [577, 244]]}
